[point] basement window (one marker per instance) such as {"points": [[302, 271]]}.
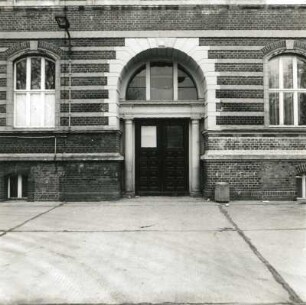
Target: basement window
{"points": [[301, 186], [17, 187]]}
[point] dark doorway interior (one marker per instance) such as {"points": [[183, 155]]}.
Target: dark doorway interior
{"points": [[162, 157]]}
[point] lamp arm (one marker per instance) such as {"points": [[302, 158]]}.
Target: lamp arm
{"points": [[69, 40]]}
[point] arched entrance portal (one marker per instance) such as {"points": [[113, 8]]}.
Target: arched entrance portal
{"points": [[161, 105]]}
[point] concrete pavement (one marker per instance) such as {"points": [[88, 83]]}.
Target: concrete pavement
{"points": [[152, 250]]}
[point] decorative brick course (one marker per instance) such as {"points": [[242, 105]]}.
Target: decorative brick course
{"points": [[2, 95], [216, 54], [236, 41], [91, 55], [65, 143], [240, 107], [2, 82], [258, 142], [84, 81], [2, 108], [2, 68], [90, 42], [85, 68], [85, 94], [85, 121], [239, 93], [237, 67], [240, 80], [240, 120], [85, 107]]}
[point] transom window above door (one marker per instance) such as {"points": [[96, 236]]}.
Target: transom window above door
{"points": [[34, 92], [161, 81]]}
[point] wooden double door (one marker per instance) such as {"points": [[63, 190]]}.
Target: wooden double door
{"points": [[162, 157]]}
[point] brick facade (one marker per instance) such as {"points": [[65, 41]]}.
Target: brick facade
{"points": [[259, 180], [81, 157]]}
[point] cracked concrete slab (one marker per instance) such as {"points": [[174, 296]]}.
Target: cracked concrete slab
{"points": [[269, 217], [153, 217], [286, 251], [14, 214], [133, 267]]}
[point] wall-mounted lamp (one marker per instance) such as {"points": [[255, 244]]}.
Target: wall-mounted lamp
{"points": [[63, 23]]}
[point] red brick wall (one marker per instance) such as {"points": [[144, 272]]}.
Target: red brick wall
{"points": [[65, 181], [250, 179], [109, 18], [65, 143]]}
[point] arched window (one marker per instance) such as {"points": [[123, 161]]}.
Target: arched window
{"points": [[161, 81], [287, 90], [34, 92]]}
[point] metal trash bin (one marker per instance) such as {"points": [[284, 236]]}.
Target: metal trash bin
{"points": [[222, 192]]}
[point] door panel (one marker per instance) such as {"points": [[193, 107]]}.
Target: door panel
{"points": [[162, 163]]}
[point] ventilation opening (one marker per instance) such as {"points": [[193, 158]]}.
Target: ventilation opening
{"points": [[17, 187]]}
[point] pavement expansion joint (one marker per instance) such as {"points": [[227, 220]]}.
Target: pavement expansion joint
{"points": [[168, 303], [123, 231], [278, 229], [30, 219], [293, 296]]}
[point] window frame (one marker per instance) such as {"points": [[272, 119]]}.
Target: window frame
{"points": [[28, 91], [295, 91], [20, 178], [303, 178], [147, 67]]}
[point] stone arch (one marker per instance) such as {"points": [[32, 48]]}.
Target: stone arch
{"points": [[155, 54], [283, 47], [33, 47], [301, 169]]}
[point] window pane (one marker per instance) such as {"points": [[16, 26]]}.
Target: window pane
{"points": [[137, 86], [49, 110], [274, 108], [288, 109], [174, 136], [186, 87], [24, 186], [302, 109], [148, 136], [161, 81], [14, 186], [36, 110], [35, 73], [274, 73], [301, 68], [299, 187], [21, 74], [288, 72], [50, 75], [20, 109]]}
